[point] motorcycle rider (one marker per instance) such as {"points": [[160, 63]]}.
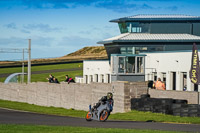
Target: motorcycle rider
{"points": [[103, 100]]}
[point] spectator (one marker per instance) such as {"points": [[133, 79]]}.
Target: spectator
{"points": [[50, 79], [68, 79], [55, 80], [159, 85]]}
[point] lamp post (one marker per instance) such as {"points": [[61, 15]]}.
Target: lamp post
{"points": [[29, 62]]}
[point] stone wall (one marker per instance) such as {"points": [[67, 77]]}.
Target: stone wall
{"points": [[79, 96], [76, 96]]}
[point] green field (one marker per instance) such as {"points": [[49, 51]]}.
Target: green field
{"points": [[68, 129], [42, 77]]}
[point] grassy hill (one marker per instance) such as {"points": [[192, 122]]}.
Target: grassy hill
{"points": [[86, 53]]}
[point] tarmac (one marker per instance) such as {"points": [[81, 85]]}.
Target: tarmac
{"points": [[8, 116]]}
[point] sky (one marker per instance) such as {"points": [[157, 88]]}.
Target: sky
{"points": [[59, 27]]}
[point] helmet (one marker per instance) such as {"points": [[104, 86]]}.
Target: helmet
{"points": [[109, 95]]}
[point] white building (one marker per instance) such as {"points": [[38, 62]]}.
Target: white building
{"points": [[149, 46]]}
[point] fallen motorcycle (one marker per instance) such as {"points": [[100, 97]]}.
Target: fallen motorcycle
{"points": [[101, 113]]}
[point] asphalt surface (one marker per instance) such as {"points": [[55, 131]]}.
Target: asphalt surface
{"points": [[17, 117]]}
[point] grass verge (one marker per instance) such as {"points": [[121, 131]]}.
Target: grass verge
{"points": [[131, 116], [67, 129], [42, 67]]}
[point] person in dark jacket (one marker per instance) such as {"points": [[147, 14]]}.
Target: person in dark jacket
{"points": [[68, 79], [103, 100], [55, 80], [50, 79]]}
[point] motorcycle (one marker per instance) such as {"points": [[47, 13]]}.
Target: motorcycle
{"points": [[101, 113]]}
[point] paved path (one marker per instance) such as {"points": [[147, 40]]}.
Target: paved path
{"points": [[17, 117]]}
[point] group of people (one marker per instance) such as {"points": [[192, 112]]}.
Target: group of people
{"points": [[52, 79], [159, 85]]}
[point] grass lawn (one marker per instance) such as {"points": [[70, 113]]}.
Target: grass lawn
{"points": [[67, 129], [42, 77], [42, 67], [131, 116]]}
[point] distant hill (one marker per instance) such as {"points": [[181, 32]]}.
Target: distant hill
{"points": [[86, 53], [93, 51]]}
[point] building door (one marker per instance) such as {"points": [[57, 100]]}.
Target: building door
{"points": [[196, 87], [184, 81], [173, 80], [86, 79]]}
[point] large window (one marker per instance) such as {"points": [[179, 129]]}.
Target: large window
{"points": [[131, 65], [127, 50], [140, 65], [137, 49], [121, 65]]}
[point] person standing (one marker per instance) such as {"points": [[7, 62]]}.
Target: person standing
{"points": [[159, 85]]}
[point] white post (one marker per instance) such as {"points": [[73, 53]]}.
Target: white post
{"points": [[23, 67], [29, 62]]}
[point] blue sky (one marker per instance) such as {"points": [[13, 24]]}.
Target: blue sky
{"points": [[59, 27]]}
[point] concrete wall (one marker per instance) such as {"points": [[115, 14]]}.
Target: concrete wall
{"points": [[77, 96], [191, 97]]}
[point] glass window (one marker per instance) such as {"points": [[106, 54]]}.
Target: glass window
{"points": [[123, 28], [140, 65], [127, 50], [130, 64], [136, 29], [121, 65]]}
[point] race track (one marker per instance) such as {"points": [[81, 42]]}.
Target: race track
{"points": [[17, 117]]}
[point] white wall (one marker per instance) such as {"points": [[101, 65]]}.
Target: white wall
{"points": [[96, 67], [169, 62]]}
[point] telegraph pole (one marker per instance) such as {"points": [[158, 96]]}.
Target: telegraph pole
{"points": [[29, 61], [23, 67]]}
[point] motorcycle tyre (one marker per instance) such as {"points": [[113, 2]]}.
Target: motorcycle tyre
{"points": [[105, 117], [88, 118]]}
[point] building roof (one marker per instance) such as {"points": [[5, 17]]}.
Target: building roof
{"points": [[144, 17], [147, 37]]}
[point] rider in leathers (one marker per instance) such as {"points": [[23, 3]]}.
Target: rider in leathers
{"points": [[103, 100]]}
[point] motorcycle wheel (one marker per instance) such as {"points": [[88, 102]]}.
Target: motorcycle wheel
{"points": [[104, 115], [88, 116]]}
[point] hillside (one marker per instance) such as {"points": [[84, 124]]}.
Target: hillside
{"points": [[95, 51], [86, 53]]}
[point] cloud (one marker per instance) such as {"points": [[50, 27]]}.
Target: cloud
{"points": [[42, 41], [76, 42], [119, 6], [172, 8], [13, 42], [122, 7], [11, 26], [40, 27], [19, 42], [55, 4], [25, 31]]}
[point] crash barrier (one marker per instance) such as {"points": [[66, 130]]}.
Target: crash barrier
{"points": [[170, 106], [191, 96]]}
